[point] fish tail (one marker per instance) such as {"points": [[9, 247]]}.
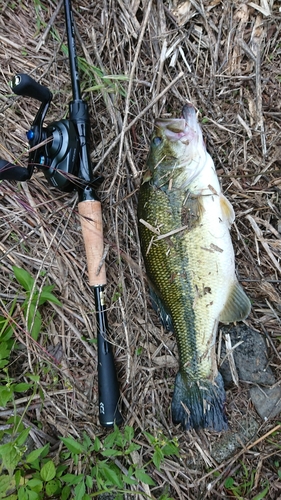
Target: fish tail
{"points": [[199, 403]]}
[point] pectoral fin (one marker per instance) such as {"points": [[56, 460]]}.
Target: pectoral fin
{"points": [[237, 307], [227, 210], [158, 306]]}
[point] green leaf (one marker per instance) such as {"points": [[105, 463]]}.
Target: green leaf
{"points": [[34, 378], [21, 387], [34, 318], [89, 482], [22, 437], [48, 471], [24, 278], [115, 438], [132, 447], [129, 433], [80, 490], [65, 493], [60, 470], [16, 421], [111, 453], [228, 483], [87, 443], [129, 480], [72, 478], [17, 477], [10, 456], [6, 331], [48, 288], [111, 476], [73, 445], [143, 477], [33, 455], [151, 439], [22, 494], [4, 363], [170, 449], [262, 494], [7, 334], [6, 394], [33, 495], [50, 297], [6, 483], [97, 444], [53, 487], [157, 458], [5, 351], [35, 484]]}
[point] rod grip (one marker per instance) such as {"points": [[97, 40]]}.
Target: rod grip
{"points": [[92, 230], [108, 385]]}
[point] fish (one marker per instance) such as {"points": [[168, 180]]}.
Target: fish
{"points": [[184, 223]]}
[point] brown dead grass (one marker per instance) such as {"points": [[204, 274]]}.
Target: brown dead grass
{"points": [[224, 57]]}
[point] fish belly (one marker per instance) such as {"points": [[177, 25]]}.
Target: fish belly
{"points": [[211, 274]]}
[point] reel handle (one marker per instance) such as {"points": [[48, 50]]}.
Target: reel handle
{"points": [[23, 84]]}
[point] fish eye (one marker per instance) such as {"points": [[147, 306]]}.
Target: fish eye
{"points": [[157, 141]]}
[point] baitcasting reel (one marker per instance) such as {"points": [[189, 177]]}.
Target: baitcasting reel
{"points": [[55, 149]]}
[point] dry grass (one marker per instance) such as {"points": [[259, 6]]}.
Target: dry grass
{"points": [[224, 57]]}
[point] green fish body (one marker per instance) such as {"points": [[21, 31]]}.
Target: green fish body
{"points": [[184, 222]]}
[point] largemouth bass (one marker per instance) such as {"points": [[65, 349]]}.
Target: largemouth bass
{"points": [[184, 222]]}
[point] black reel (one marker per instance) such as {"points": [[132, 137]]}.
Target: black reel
{"points": [[55, 149]]}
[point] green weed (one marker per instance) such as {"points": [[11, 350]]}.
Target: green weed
{"points": [[92, 78], [34, 299], [83, 468], [242, 484], [106, 466]]}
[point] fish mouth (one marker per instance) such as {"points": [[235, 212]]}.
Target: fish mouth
{"points": [[179, 129], [188, 113]]}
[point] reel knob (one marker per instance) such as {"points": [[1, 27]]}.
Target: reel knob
{"points": [[25, 85]]}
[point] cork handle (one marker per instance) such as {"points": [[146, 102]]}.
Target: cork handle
{"points": [[91, 222]]}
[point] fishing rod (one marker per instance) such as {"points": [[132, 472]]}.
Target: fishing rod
{"points": [[61, 151]]}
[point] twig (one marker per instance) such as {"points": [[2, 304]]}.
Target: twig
{"points": [[265, 245], [49, 25], [143, 112], [129, 91]]}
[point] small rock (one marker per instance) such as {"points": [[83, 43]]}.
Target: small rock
{"points": [[232, 441], [228, 443], [250, 356], [251, 364], [267, 401]]}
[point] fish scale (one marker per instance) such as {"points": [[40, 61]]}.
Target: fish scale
{"points": [[184, 222], [166, 262]]}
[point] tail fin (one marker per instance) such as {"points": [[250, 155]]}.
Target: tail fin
{"points": [[199, 404]]}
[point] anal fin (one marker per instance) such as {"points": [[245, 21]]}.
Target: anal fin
{"points": [[237, 306]]}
